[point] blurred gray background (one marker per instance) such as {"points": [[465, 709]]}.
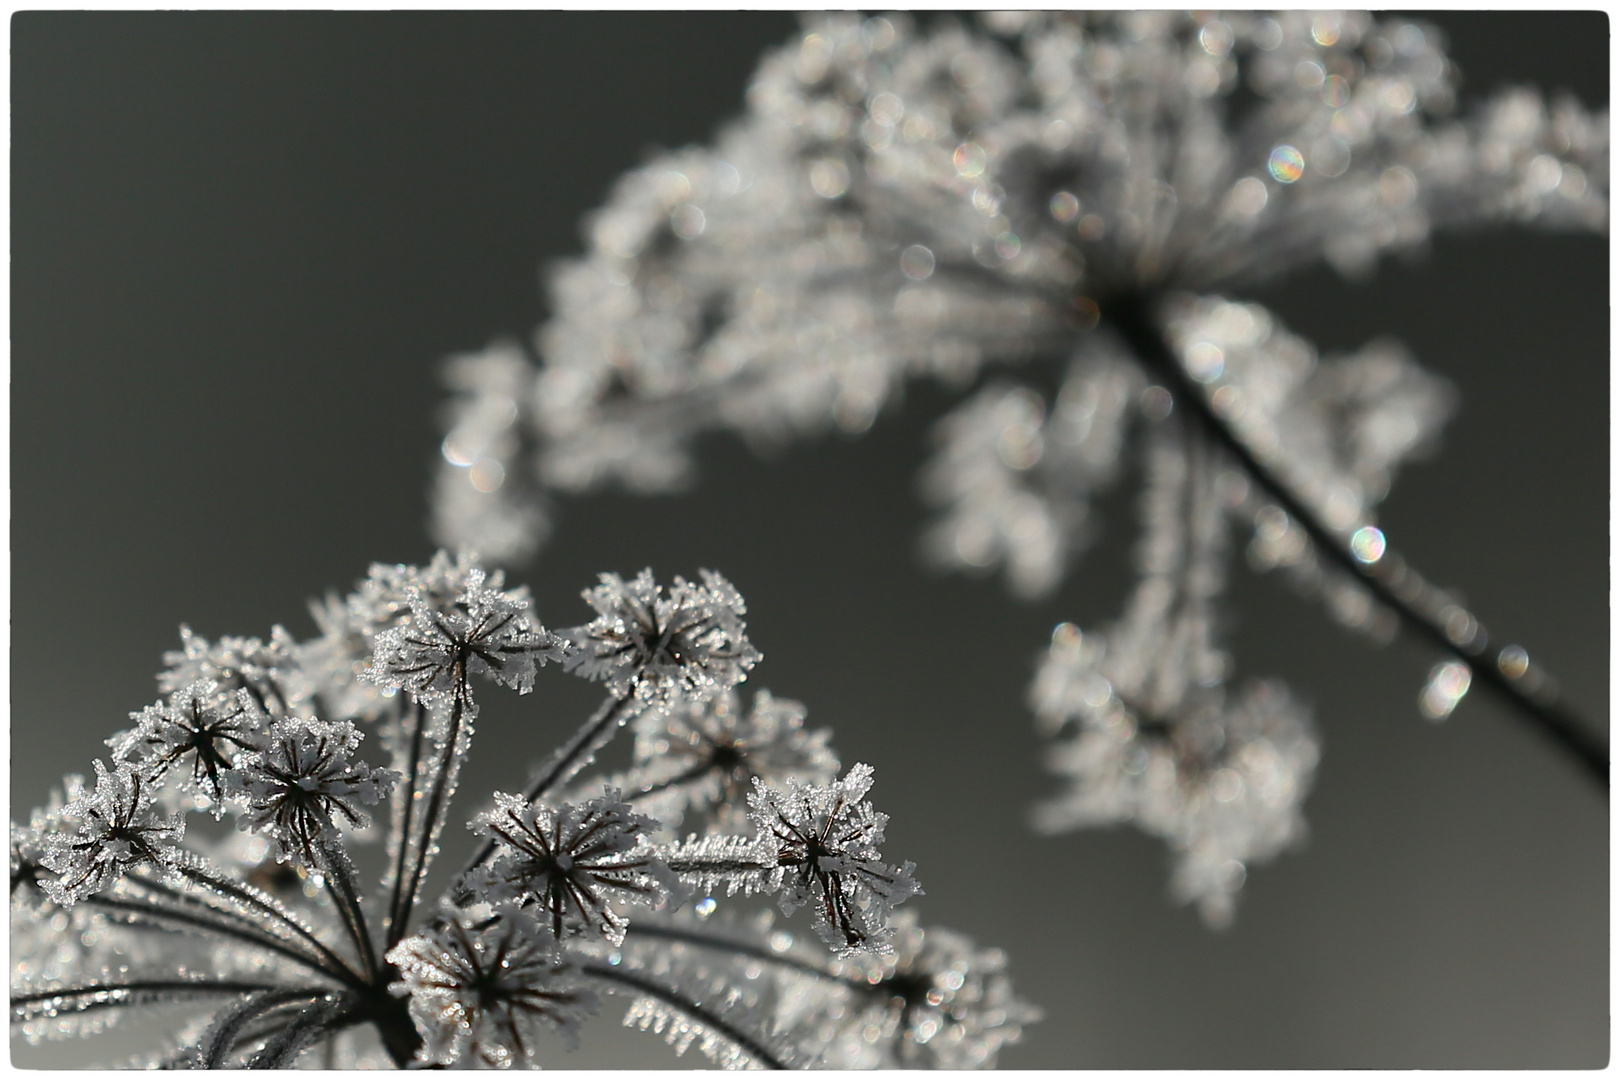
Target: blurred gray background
{"points": [[242, 243]]}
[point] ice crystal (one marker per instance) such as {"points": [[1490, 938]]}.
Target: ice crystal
{"points": [[572, 864], [284, 956], [480, 989], [689, 641], [196, 731], [117, 830], [303, 782], [1072, 193]]}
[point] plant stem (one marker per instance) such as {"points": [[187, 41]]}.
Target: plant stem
{"points": [[249, 898], [430, 820], [573, 756], [394, 927], [1132, 317], [339, 876], [641, 928], [698, 1012], [135, 912], [133, 991]]}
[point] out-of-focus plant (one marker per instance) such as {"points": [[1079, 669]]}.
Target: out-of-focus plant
{"points": [[1076, 197]]}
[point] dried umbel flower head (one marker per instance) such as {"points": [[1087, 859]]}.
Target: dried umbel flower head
{"points": [[483, 631], [117, 830], [197, 732], [687, 642], [302, 783], [940, 1001], [482, 986], [706, 755], [1074, 195], [571, 865], [825, 840]]}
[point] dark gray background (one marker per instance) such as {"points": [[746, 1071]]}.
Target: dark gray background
{"points": [[241, 244]]}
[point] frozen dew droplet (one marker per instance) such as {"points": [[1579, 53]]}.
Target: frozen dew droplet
{"points": [[1205, 361], [1513, 661], [829, 178], [1397, 187], [1367, 545], [687, 221], [917, 262], [1286, 164], [1448, 682], [1248, 197], [487, 475], [969, 160]]}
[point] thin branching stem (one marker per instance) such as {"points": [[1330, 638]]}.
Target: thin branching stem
{"points": [[747, 1043], [1132, 316], [136, 911], [134, 990], [700, 769], [723, 944], [436, 797], [338, 874], [225, 885], [574, 755], [398, 910]]}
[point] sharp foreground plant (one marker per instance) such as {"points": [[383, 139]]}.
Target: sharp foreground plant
{"points": [[1071, 193], [580, 888]]}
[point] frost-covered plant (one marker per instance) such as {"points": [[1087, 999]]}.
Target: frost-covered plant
{"points": [[1075, 195], [285, 957]]}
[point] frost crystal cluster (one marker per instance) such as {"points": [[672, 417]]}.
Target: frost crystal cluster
{"points": [[1050, 212], [265, 947]]}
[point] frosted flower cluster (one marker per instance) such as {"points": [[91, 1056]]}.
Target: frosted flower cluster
{"points": [[302, 784], [573, 866], [481, 991], [289, 955], [704, 757], [657, 644], [485, 632], [117, 829], [1074, 198]]}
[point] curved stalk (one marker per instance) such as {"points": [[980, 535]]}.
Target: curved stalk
{"points": [[1133, 318], [137, 912], [741, 948], [573, 756], [647, 987], [398, 911], [134, 992], [338, 873], [448, 763], [245, 896]]}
